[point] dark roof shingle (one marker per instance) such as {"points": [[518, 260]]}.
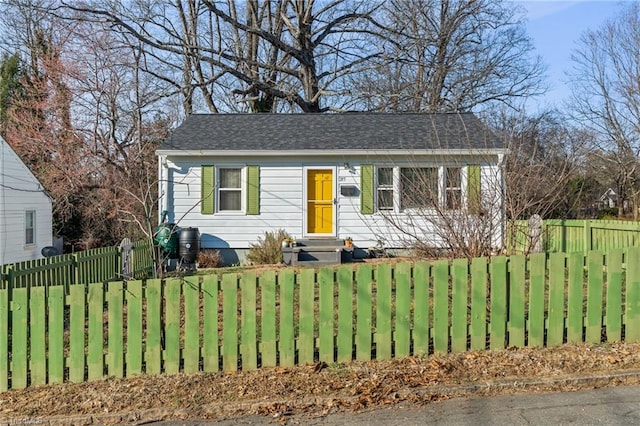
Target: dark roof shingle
{"points": [[347, 131]]}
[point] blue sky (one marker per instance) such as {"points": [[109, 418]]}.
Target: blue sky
{"points": [[555, 27]]}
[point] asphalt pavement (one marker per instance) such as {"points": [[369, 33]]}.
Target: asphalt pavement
{"points": [[611, 399], [605, 406]]}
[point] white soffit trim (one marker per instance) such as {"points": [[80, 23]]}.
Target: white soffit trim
{"points": [[325, 153]]}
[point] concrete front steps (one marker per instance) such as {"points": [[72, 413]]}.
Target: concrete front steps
{"points": [[317, 252]]}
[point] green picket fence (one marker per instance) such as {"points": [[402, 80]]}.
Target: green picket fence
{"points": [[246, 321], [141, 259], [95, 265], [567, 236]]}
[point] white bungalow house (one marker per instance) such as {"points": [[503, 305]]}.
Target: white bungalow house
{"points": [[374, 177], [25, 210]]}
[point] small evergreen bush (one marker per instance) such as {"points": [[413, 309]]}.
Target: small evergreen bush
{"points": [[268, 250]]}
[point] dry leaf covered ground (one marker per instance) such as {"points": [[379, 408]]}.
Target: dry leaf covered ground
{"points": [[319, 389]]}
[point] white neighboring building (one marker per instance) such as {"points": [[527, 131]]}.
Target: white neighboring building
{"points": [[25, 210], [609, 199]]}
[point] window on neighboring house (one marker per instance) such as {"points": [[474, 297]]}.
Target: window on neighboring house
{"points": [[418, 187], [230, 189], [385, 188], [30, 227], [453, 193]]}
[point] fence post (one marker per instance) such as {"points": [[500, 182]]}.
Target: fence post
{"points": [[587, 236], [535, 234], [4, 334], [10, 280], [119, 267], [75, 276]]}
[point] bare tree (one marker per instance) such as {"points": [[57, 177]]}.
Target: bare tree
{"points": [[38, 118], [473, 205], [443, 203], [87, 124], [541, 169], [450, 215], [118, 118], [606, 97], [451, 55], [294, 51], [597, 167], [476, 206]]}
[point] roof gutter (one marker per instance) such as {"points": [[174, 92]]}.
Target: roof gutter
{"points": [[325, 153]]}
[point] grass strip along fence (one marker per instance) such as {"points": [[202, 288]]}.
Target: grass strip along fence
{"points": [[286, 318], [559, 235], [95, 265]]}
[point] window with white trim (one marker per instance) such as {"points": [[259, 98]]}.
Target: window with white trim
{"points": [[453, 188], [230, 189], [411, 188], [418, 187], [385, 188], [30, 227]]}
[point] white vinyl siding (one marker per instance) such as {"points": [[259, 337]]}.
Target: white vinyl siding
{"points": [[282, 198], [20, 192], [280, 204], [367, 229]]}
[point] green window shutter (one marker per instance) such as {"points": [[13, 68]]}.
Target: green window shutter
{"points": [[207, 190], [366, 189], [253, 189], [473, 189]]}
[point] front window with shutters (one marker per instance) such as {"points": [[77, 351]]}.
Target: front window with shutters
{"points": [[230, 189], [413, 188]]}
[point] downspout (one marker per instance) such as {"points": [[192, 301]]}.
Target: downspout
{"points": [[3, 211], [163, 185]]}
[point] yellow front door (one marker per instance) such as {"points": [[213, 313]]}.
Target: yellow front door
{"points": [[320, 201]]}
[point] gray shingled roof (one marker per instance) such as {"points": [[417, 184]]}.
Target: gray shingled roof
{"points": [[348, 131]]}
